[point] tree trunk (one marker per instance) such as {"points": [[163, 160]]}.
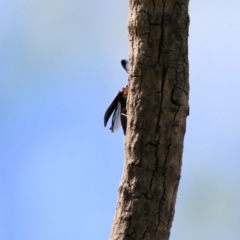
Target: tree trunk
{"points": [[157, 109]]}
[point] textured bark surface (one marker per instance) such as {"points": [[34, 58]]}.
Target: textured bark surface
{"points": [[157, 109]]}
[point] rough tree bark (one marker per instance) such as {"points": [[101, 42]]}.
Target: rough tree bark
{"points": [[157, 109]]}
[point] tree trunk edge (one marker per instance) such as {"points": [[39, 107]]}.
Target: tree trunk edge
{"points": [[157, 109]]}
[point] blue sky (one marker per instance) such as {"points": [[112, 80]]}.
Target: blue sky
{"points": [[60, 169]]}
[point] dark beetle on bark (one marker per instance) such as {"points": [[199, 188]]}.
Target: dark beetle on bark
{"points": [[118, 107]]}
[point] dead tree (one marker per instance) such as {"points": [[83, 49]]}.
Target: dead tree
{"points": [[157, 108]]}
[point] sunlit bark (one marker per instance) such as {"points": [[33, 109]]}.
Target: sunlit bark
{"points": [[157, 109]]}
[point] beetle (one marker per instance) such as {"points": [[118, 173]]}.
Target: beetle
{"points": [[118, 107]]}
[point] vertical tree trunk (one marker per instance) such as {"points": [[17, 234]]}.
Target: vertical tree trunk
{"points": [[157, 109]]}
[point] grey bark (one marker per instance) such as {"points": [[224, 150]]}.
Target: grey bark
{"points": [[157, 109]]}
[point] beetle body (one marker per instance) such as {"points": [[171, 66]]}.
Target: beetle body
{"points": [[118, 107]]}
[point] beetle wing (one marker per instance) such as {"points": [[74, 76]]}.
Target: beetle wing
{"points": [[125, 65], [113, 106], [116, 118]]}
